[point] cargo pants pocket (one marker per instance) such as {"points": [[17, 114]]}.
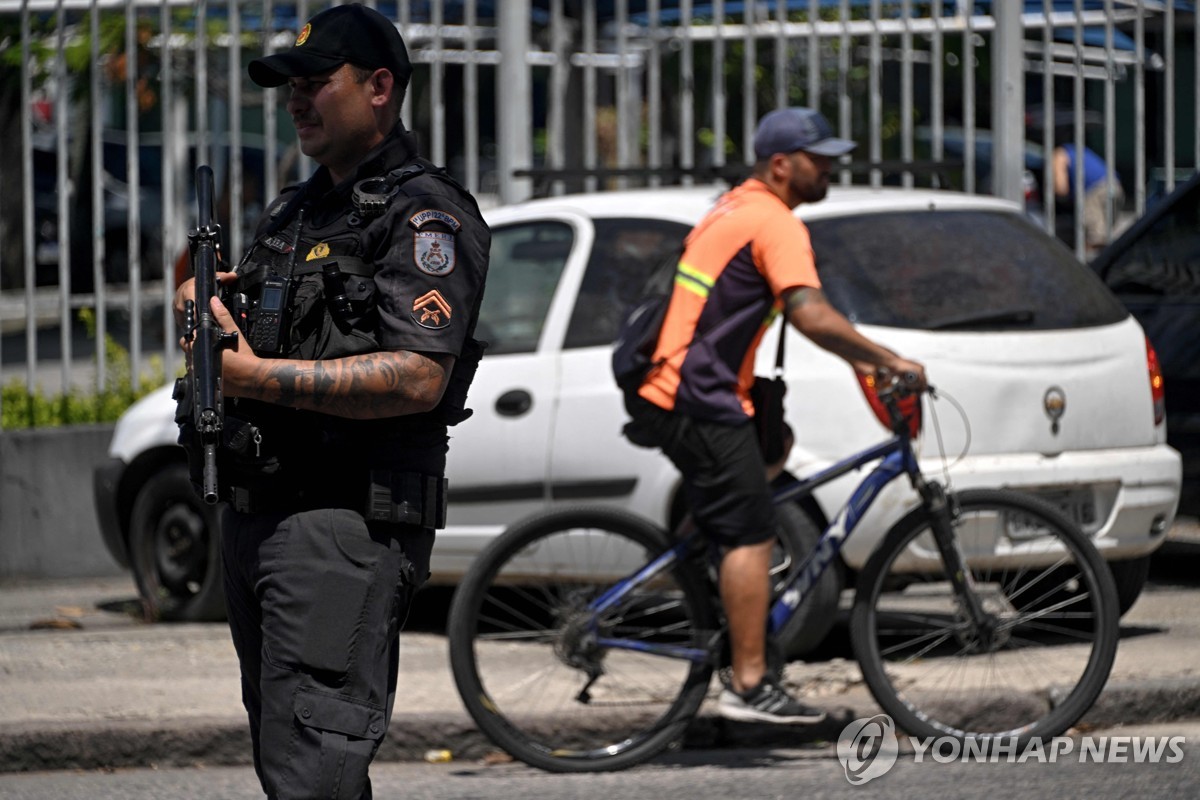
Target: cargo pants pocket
{"points": [[346, 733]]}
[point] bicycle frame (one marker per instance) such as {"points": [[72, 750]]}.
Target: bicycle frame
{"points": [[897, 457]]}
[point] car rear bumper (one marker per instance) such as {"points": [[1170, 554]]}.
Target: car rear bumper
{"points": [[1124, 499], [105, 481]]}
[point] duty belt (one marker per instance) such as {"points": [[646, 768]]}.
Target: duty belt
{"points": [[405, 498]]}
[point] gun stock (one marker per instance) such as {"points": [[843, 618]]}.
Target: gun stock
{"points": [[202, 329]]}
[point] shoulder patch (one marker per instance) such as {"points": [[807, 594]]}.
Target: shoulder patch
{"points": [[434, 252], [278, 244], [431, 310], [423, 218], [320, 250]]}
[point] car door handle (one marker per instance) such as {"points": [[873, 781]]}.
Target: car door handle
{"points": [[514, 403]]}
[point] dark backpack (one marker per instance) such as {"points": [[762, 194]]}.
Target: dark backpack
{"points": [[637, 337]]}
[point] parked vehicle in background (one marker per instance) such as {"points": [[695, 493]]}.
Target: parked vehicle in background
{"points": [[1054, 378], [1154, 269]]}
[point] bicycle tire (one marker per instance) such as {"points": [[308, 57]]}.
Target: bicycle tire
{"points": [[519, 651], [1051, 600]]}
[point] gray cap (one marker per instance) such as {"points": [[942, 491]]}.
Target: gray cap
{"points": [[786, 130]]}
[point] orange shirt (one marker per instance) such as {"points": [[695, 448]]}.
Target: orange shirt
{"points": [[736, 265]]}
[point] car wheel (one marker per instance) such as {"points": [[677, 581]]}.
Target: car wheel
{"points": [[173, 543], [1130, 577], [813, 620]]}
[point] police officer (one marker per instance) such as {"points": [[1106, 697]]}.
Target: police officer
{"points": [[355, 308]]}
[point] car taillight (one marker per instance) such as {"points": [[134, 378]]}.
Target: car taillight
{"points": [[1158, 394], [910, 406]]}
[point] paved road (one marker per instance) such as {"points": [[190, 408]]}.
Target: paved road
{"points": [[86, 684], [813, 772]]}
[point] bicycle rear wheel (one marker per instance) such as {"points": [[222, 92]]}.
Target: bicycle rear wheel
{"points": [[1046, 648], [525, 649]]}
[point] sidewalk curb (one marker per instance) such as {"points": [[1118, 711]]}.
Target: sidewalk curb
{"points": [[112, 744]]}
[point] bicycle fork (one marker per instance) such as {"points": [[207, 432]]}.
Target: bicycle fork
{"points": [[944, 512]]}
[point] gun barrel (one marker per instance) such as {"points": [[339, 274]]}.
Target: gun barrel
{"points": [[210, 474]]}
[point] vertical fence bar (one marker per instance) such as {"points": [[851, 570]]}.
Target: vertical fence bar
{"points": [[404, 10], [781, 48], [590, 98], [906, 91], [471, 98], [968, 123], [133, 246], [687, 93], [1077, 178], [1008, 102], [437, 86], [625, 114], [654, 121], [875, 92], [1168, 96], [236, 171], [171, 355], [1139, 109], [304, 164], [843, 97], [1195, 94], [1048, 123], [97, 173], [270, 115], [814, 55], [556, 114], [62, 116], [27, 193], [1110, 116], [200, 46], [513, 95], [559, 88], [937, 103], [749, 64], [718, 84]]}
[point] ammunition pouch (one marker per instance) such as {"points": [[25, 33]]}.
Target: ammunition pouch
{"points": [[408, 498]]}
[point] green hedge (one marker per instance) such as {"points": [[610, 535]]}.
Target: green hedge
{"points": [[24, 407]]}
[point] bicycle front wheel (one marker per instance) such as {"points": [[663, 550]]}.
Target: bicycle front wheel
{"points": [[559, 685], [1036, 661]]}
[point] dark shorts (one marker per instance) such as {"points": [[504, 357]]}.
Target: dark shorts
{"points": [[724, 479]]}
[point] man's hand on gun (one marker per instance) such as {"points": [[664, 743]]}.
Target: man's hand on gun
{"points": [[238, 363]]}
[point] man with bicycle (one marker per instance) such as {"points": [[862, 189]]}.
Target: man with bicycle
{"points": [[750, 250]]}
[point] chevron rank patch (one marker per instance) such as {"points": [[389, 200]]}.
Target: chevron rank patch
{"points": [[431, 310], [434, 252]]}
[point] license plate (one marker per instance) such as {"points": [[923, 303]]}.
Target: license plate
{"points": [[1078, 505]]}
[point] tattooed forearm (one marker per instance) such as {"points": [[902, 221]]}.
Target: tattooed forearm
{"points": [[802, 296], [811, 313], [368, 386]]}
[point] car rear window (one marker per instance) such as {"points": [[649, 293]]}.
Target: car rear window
{"points": [[974, 270]]}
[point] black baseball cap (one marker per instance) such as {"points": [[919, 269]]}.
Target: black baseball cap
{"points": [[351, 33], [786, 130]]}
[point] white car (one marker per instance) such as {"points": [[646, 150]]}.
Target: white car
{"points": [[1055, 381]]}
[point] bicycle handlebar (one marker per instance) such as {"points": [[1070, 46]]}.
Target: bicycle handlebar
{"points": [[891, 388]]}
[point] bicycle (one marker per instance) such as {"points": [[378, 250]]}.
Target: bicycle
{"points": [[585, 639]]}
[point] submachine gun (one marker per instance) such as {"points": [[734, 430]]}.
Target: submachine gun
{"points": [[205, 334]]}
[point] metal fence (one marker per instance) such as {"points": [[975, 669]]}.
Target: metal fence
{"points": [[109, 105]]}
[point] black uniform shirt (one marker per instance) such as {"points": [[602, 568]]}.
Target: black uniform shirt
{"points": [[426, 246]]}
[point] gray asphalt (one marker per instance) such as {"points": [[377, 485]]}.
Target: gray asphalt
{"points": [[84, 683]]}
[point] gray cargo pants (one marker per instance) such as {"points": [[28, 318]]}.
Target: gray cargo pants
{"points": [[316, 601]]}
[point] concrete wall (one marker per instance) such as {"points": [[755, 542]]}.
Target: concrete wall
{"points": [[48, 526]]}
